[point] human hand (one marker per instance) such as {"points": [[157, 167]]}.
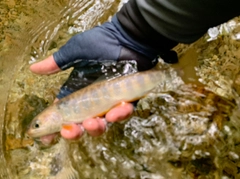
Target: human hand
{"points": [[93, 126], [87, 46], [84, 52]]}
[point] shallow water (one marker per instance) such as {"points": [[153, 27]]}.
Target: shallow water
{"points": [[31, 30], [178, 131]]}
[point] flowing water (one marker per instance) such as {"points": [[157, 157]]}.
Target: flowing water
{"points": [[177, 131], [31, 30]]}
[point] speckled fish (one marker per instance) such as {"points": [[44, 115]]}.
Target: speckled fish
{"points": [[94, 100]]}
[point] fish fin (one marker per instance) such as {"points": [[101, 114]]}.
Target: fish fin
{"points": [[67, 126], [67, 173]]}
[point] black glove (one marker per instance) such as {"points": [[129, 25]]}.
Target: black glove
{"points": [[87, 52]]}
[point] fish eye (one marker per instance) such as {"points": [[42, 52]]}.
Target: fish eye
{"points": [[36, 125]]}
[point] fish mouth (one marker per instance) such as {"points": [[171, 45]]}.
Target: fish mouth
{"points": [[46, 141], [43, 139], [33, 134], [37, 133]]}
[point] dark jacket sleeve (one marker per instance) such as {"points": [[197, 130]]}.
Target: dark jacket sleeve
{"points": [[182, 21]]}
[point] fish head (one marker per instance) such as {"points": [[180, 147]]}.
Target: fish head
{"points": [[45, 123]]}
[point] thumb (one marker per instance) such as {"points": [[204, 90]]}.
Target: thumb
{"points": [[45, 67]]}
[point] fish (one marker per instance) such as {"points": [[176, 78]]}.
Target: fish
{"points": [[94, 100]]}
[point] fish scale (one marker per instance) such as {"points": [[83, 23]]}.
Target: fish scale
{"points": [[94, 100]]}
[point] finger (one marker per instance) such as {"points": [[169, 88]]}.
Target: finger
{"points": [[95, 126], [120, 112], [72, 131], [55, 100], [45, 67]]}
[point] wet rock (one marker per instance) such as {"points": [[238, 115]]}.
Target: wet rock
{"points": [[14, 143]]}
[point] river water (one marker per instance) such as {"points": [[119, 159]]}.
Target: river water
{"points": [[31, 30], [151, 144]]}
